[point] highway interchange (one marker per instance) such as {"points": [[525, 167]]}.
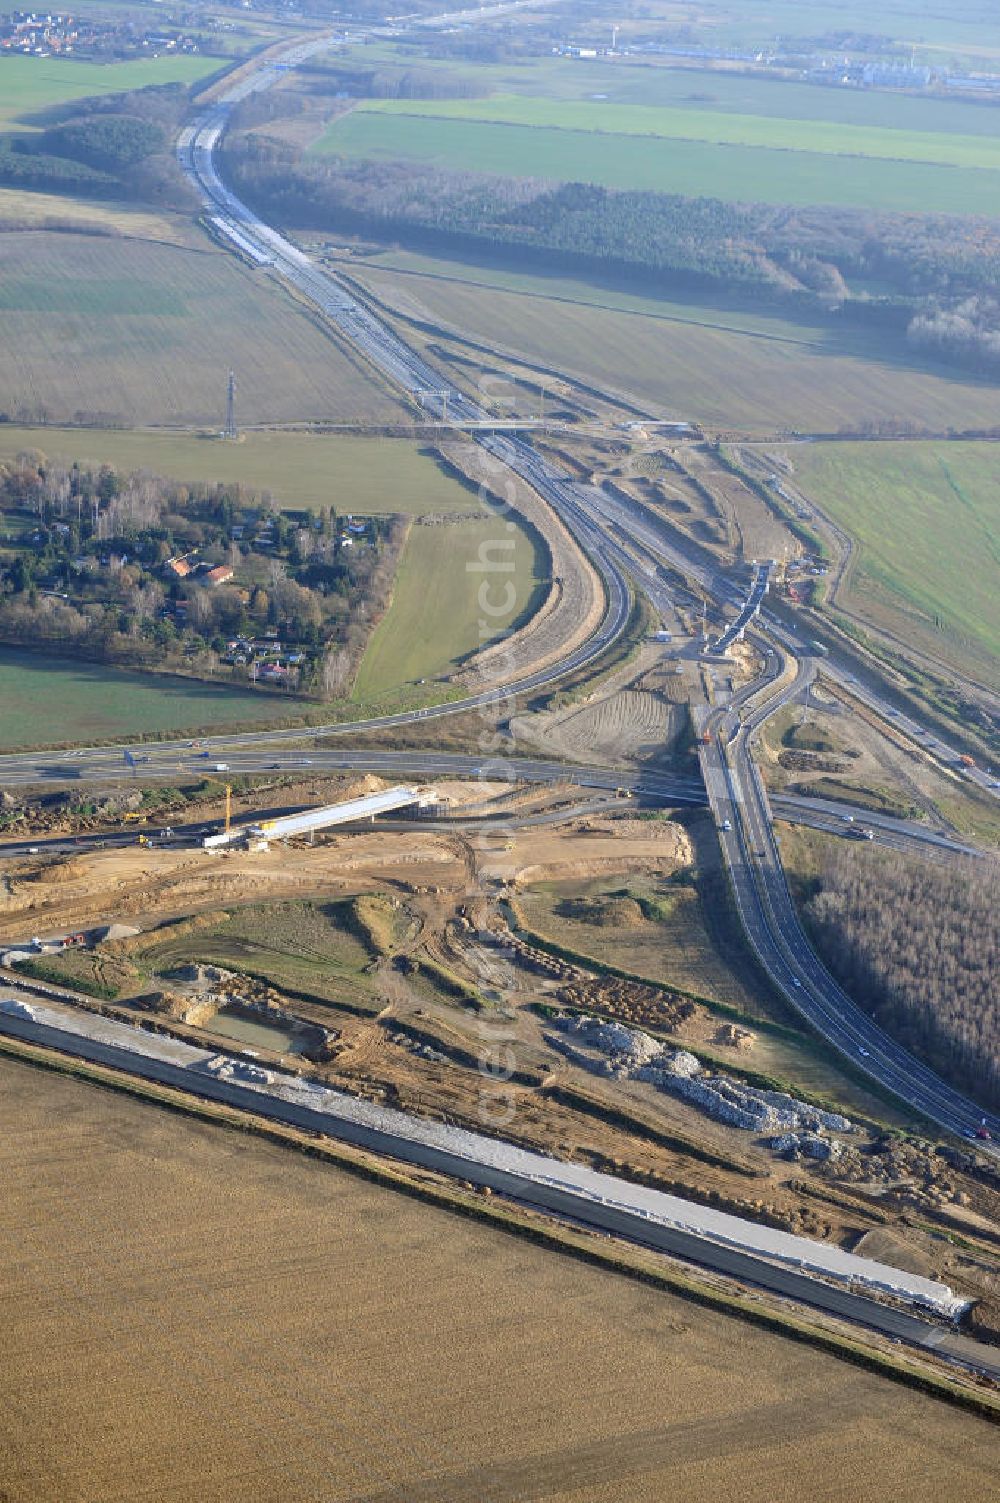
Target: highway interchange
{"points": [[623, 547], [628, 553]]}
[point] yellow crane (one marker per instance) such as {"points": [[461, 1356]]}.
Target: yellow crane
{"points": [[229, 797]]}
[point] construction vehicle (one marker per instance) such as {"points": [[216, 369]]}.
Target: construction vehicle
{"points": [[144, 840], [141, 818], [967, 761]]}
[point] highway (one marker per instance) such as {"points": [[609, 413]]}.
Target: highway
{"points": [[598, 520], [743, 814], [258, 754]]}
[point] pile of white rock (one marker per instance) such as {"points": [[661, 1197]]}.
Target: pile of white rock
{"points": [[629, 1054]]}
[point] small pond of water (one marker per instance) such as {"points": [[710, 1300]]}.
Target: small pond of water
{"points": [[233, 1024]]}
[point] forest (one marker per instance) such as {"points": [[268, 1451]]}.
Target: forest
{"points": [[916, 945], [932, 277], [111, 146]]}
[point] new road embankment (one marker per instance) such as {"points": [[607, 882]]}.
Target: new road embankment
{"points": [[817, 1274]]}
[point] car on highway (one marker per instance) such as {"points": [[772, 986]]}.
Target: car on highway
{"points": [[863, 1051], [848, 819], [796, 981], [726, 825], [984, 1132]]}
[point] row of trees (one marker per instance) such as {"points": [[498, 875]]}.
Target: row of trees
{"points": [[916, 944]]}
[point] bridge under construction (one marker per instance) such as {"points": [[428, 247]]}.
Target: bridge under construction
{"points": [[349, 811]]}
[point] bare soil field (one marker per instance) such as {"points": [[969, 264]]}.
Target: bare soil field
{"points": [[119, 332], [195, 1315]]}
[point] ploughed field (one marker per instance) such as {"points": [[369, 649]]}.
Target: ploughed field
{"points": [[277, 1329]]}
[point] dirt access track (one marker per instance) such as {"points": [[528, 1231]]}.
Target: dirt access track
{"points": [[574, 605]]}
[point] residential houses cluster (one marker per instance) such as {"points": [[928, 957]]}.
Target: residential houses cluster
{"points": [[51, 33]]}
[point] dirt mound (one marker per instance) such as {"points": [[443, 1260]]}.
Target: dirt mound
{"points": [[71, 870], [614, 912]]}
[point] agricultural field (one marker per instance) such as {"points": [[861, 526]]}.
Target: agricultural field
{"points": [[925, 519], [269, 1295], [351, 472], [436, 617], [729, 369], [53, 701], [31, 85], [21, 209], [124, 332], [693, 153], [689, 123]]}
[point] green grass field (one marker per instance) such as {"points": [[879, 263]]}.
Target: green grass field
{"points": [[716, 167], [687, 123], [352, 473], [758, 373], [434, 618], [926, 518], [30, 85], [52, 701], [125, 332]]}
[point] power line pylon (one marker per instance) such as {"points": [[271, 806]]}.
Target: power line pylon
{"points": [[231, 406]]}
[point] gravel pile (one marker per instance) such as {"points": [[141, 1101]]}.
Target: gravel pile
{"points": [[629, 1054], [809, 1145]]}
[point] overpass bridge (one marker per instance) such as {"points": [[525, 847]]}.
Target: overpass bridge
{"points": [[734, 631]]}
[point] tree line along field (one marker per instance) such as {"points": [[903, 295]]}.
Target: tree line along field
{"points": [[30, 85], [759, 373], [436, 617], [268, 1295], [351, 472], [125, 332], [925, 519]]}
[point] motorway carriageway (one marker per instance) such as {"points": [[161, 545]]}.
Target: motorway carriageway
{"points": [[677, 792]]}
